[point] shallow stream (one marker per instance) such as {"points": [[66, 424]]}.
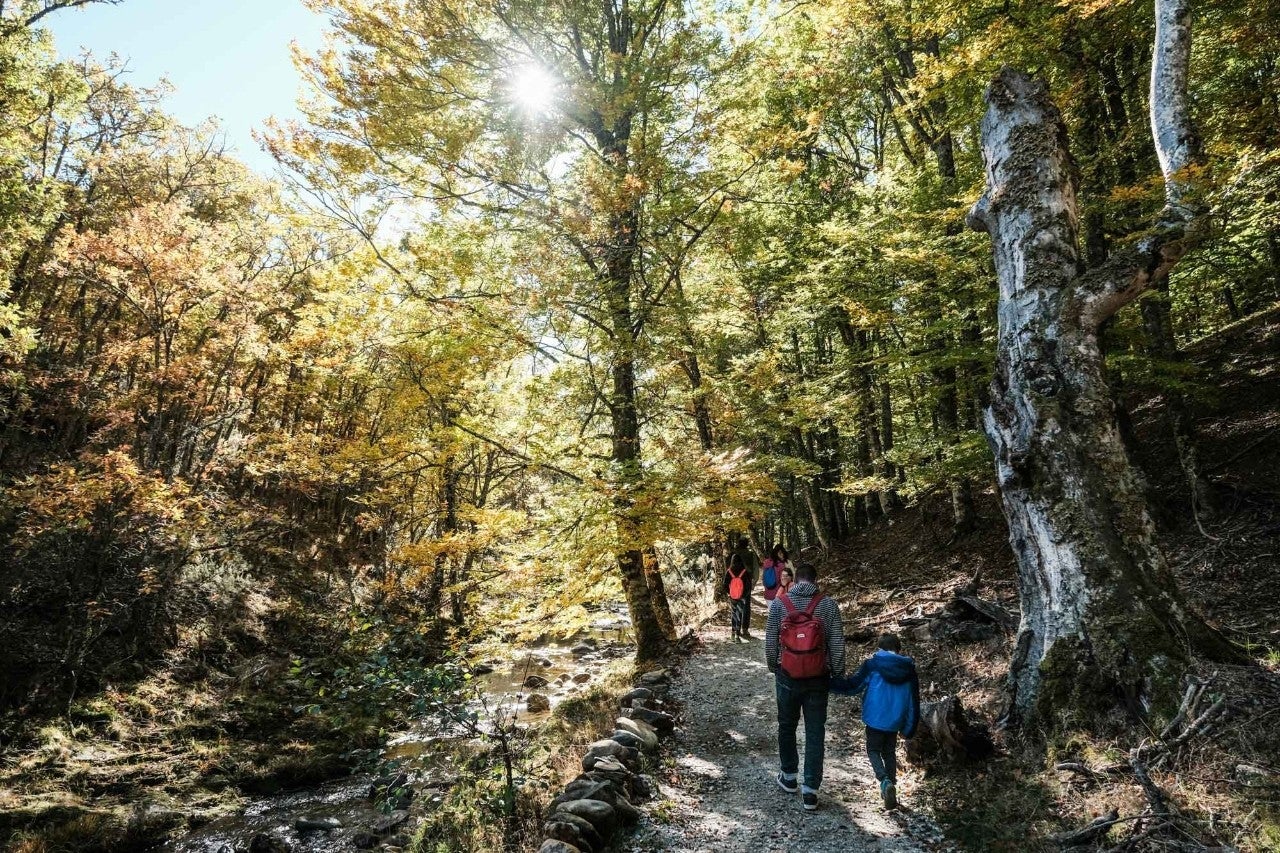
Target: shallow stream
{"points": [[419, 764]]}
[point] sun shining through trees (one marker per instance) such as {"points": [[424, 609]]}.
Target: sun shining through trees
{"points": [[533, 89], [538, 308]]}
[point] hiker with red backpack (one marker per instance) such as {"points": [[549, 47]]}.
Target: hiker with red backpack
{"points": [[738, 579], [804, 649]]}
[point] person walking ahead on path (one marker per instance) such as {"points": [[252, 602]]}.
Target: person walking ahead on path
{"points": [[891, 705], [804, 649], [771, 571], [737, 584]]}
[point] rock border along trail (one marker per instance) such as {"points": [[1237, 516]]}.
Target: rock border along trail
{"points": [[724, 797]]}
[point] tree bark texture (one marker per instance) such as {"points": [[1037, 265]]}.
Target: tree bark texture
{"points": [[625, 428], [1101, 615]]}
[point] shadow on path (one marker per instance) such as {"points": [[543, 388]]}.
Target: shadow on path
{"points": [[724, 798]]}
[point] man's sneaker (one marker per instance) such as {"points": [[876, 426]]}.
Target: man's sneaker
{"points": [[811, 802], [889, 793], [789, 786]]}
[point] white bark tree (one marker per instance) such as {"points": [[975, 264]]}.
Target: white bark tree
{"points": [[1102, 618]]}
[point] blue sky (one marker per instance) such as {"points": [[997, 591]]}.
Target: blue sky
{"points": [[227, 58]]}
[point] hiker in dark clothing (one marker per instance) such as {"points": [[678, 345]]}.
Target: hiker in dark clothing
{"points": [[738, 579], [891, 705], [803, 660]]}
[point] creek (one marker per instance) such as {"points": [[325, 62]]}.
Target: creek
{"points": [[416, 767]]}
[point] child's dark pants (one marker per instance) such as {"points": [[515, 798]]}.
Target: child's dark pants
{"points": [[882, 749]]}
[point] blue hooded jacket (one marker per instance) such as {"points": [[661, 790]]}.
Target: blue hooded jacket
{"points": [[892, 701]]}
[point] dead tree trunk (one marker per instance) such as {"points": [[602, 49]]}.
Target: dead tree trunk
{"points": [[1101, 615]]}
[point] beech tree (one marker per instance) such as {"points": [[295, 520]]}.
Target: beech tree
{"points": [[1101, 613], [566, 123]]}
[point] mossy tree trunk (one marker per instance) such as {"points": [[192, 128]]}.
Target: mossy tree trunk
{"points": [[1102, 618]]}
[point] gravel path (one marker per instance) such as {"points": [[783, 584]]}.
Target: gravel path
{"points": [[724, 798]]}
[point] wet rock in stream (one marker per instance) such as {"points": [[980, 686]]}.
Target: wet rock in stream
{"points": [[317, 824], [264, 843], [537, 703]]}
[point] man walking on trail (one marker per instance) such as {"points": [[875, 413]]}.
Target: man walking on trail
{"points": [[804, 649]]}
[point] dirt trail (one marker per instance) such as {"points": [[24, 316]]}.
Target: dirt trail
{"points": [[725, 799]]}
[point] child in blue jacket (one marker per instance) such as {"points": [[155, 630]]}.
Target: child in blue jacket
{"points": [[891, 705]]}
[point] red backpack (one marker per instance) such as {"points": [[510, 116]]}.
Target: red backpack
{"points": [[736, 587], [803, 639]]}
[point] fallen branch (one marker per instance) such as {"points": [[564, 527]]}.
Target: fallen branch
{"points": [[1089, 833]]}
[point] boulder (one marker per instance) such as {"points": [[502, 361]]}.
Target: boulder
{"points": [[607, 746], [583, 788], [626, 755], [662, 723], [316, 824], [628, 814], [534, 682], [624, 761], [599, 814], [580, 831], [627, 739], [556, 845], [622, 781], [655, 677], [608, 763], [481, 669], [582, 678], [543, 661], [388, 822], [537, 703], [641, 788], [581, 650], [643, 694], [640, 729]]}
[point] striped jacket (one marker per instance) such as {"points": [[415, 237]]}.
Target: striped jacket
{"points": [[827, 611]]}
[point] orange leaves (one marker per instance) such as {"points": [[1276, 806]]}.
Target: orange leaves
{"points": [[102, 493]]}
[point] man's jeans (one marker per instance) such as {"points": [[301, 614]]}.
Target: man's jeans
{"points": [[882, 750], [807, 698]]}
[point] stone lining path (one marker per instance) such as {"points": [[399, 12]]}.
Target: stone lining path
{"points": [[725, 799]]}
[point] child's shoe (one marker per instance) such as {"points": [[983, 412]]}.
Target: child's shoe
{"points": [[889, 793]]}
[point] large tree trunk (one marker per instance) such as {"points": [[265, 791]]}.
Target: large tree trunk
{"points": [[625, 423], [658, 593], [1101, 615]]}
